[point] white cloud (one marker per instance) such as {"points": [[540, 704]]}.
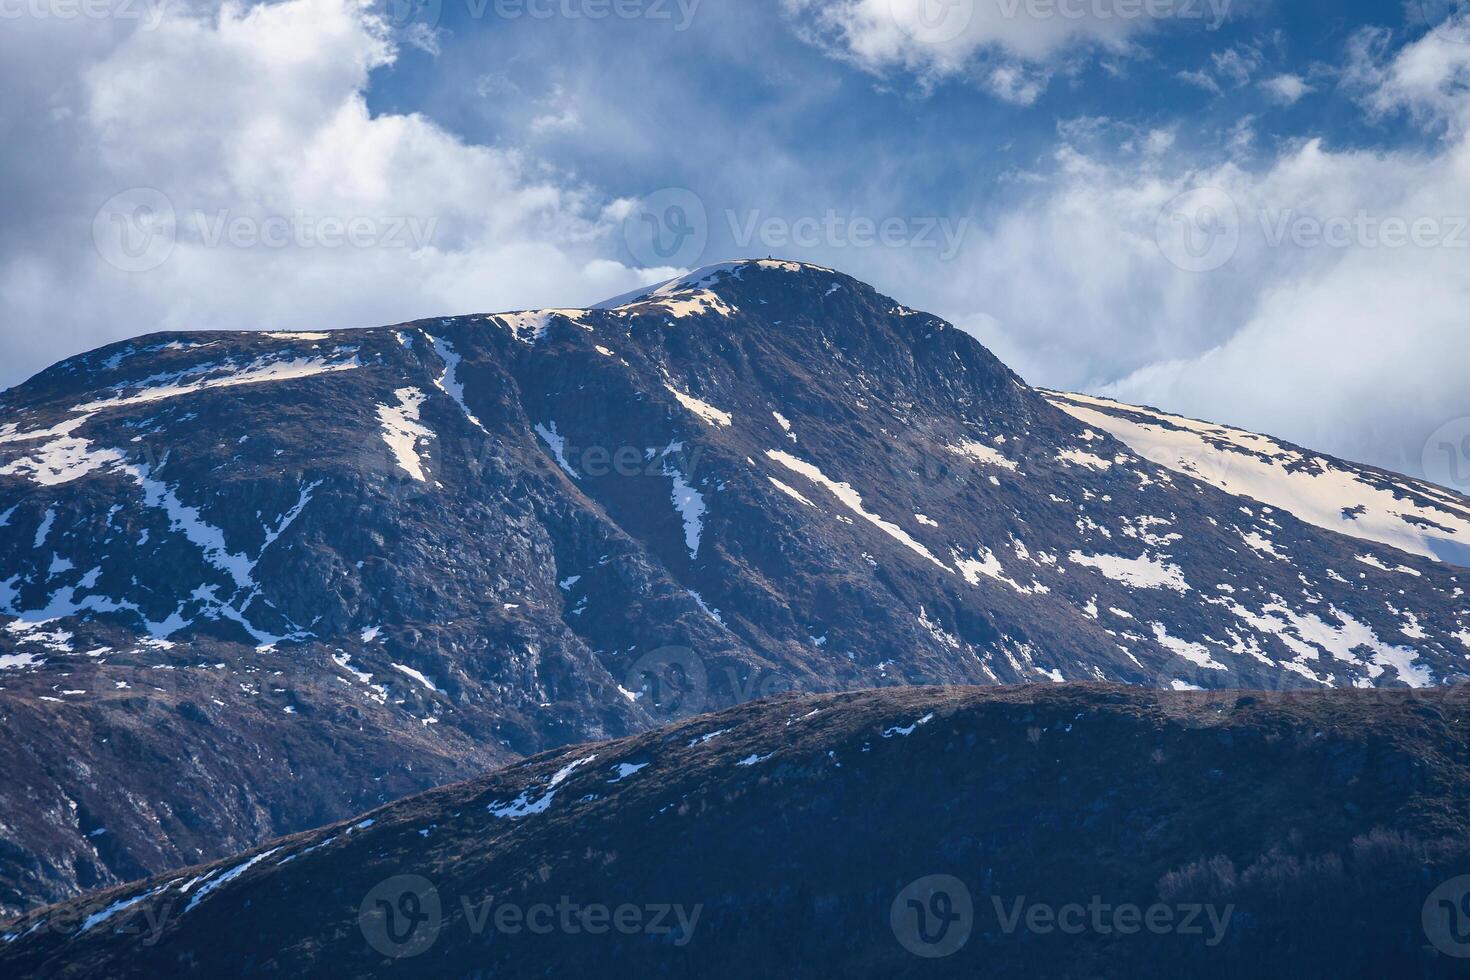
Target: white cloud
{"points": [[1230, 68], [1158, 141], [564, 121], [1242, 135], [252, 123], [1427, 78], [1014, 40], [427, 39], [1286, 89], [1014, 84], [1322, 327], [260, 112], [561, 115], [1200, 78], [1237, 64]]}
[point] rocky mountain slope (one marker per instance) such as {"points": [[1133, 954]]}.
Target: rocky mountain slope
{"points": [[252, 582], [1043, 831]]}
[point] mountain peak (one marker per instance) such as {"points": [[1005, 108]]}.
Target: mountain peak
{"points": [[722, 274]]}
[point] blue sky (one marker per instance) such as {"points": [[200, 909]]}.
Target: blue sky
{"points": [[1181, 202], [743, 75], [636, 105]]}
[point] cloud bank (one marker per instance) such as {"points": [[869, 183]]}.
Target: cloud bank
{"points": [[218, 167], [1320, 297]]}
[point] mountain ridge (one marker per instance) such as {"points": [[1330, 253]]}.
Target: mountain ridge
{"points": [[393, 557], [787, 833]]}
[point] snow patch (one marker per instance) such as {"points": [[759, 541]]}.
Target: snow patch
{"points": [[626, 769], [402, 431], [416, 675], [530, 327], [448, 381], [1080, 458], [44, 530], [1195, 653], [790, 492], [1144, 572], [1373, 561], [61, 461], [853, 501], [703, 409], [523, 806], [982, 453], [261, 371], [897, 731], [689, 502], [557, 443], [226, 878], [121, 905], [1369, 505], [1262, 544], [989, 566]]}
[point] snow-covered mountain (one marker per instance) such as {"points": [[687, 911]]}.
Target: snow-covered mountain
{"points": [[1358, 501], [252, 582]]}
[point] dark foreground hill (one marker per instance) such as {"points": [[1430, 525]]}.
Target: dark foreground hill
{"points": [[1053, 832], [251, 583]]}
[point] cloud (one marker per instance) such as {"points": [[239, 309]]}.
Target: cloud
{"points": [[246, 131], [1237, 64], [1013, 42], [1427, 79], [1336, 319], [1231, 68], [1014, 84], [1286, 89], [561, 115], [1200, 78], [1102, 133], [1158, 141], [427, 39], [256, 119]]}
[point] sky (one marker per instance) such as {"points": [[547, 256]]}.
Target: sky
{"points": [[1250, 211]]}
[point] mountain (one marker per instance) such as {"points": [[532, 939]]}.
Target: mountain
{"points": [[1042, 831], [1358, 501], [251, 583]]}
